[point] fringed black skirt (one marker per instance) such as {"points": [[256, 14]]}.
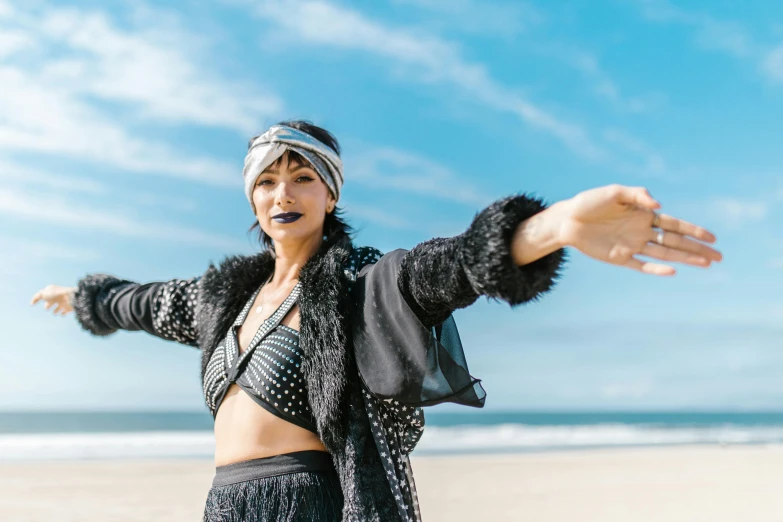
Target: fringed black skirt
{"points": [[295, 487]]}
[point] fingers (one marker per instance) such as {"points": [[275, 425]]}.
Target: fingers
{"points": [[663, 253], [36, 298], [650, 268], [684, 228], [638, 196], [63, 309], [676, 241]]}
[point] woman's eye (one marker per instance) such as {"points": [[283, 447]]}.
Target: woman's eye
{"points": [[264, 182], [304, 179]]}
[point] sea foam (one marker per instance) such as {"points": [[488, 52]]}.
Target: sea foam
{"points": [[436, 440]]}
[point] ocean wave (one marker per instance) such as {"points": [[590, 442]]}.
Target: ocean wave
{"points": [[541, 438], [55, 446], [436, 439]]}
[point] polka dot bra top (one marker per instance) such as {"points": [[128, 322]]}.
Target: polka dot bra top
{"points": [[269, 370]]}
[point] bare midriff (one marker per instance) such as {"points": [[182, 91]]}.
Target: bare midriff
{"points": [[243, 429]]}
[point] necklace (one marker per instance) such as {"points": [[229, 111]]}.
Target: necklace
{"points": [[260, 308]]}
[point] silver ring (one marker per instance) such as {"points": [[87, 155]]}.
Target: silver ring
{"points": [[656, 220], [659, 237]]}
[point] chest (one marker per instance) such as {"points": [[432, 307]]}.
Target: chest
{"points": [[268, 306], [265, 362]]}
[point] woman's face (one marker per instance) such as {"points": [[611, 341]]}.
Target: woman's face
{"points": [[291, 201]]}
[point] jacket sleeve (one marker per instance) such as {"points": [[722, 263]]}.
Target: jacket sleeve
{"points": [[406, 343], [105, 304], [441, 275]]}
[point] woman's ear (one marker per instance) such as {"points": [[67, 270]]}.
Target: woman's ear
{"points": [[331, 204]]}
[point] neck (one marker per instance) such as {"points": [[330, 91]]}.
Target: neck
{"points": [[291, 257]]}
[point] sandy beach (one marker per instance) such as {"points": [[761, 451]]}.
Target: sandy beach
{"points": [[708, 483]]}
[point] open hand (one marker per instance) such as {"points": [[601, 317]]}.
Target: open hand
{"points": [[615, 224], [59, 299]]}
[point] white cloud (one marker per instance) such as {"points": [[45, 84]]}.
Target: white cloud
{"points": [[11, 174], [156, 65], [62, 67], [737, 212], [33, 250], [588, 65], [151, 67], [58, 181], [773, 64], [489, 18], [389, 168], [167, 201], [709, 32], [38, 117], [61, 212], [654, 163], [5, 9], [12, 42], [430, 60], [507, 20], [427, 59], [720, 35], [380, 217], [21, 254]]}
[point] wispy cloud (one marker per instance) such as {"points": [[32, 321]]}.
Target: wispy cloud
{"points": [[604, 86], [24, 253], [426, 58], [5, 9], [390, 168], [60, 67], [156, 65], [736, 213], [652, 161], [15, 174], [727, 36], [489, 18], [510, 19], [167, 201], [379, 216], [588, 65], [710, 32], [773, 64], [32, 250], [59, 211]]}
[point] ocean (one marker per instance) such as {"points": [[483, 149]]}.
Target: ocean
{"points": [[96, 435]]}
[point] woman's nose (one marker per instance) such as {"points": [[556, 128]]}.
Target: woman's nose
{"points": [[284, 194]]}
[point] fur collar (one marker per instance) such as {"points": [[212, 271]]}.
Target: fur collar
{"points": [[328, 364]]}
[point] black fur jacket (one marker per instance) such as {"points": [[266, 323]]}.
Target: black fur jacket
{"points": [[433, 279]]}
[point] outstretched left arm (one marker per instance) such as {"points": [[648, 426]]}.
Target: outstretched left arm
{"points": [[514, 249], [441, 275], [615, 224]]}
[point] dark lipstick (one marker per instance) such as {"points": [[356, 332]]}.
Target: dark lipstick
{"points": [[287, 217]]}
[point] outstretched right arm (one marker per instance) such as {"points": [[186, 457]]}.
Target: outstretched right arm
{"points": [[105, 304]]}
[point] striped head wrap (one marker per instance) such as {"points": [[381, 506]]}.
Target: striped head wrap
{"points": [[268, 147]]}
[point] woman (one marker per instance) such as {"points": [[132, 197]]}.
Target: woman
{"points": [[317, 355]]}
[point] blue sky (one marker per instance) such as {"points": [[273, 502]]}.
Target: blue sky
{"points": [[123, 128]]}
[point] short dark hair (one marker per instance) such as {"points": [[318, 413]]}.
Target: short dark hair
{"points": [[334, 224]]}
